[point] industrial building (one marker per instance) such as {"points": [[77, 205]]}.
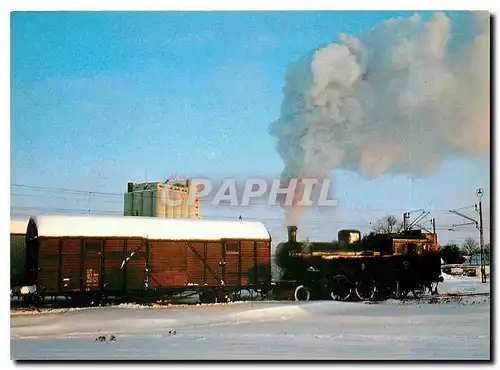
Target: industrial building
{"points": [[149, 199]]}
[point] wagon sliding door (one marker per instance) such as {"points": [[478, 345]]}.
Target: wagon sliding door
{"points": [[204, 263], [135, 268], [118, 279], [168, 264], [196, 263], [113, 275]]}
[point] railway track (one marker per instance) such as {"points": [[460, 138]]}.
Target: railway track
{"points": [[464, 294], [64, 306]]}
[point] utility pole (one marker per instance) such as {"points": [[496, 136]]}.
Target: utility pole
{"points": [[479, 193], [434, 236], [479, 226]]}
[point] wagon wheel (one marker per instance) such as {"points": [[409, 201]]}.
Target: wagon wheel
{"points": [[208, 297], [302, 293], [365, 290], [418, 291], [31, 301], [403, 293], [341, 288], [434, 288], [223, 296]]}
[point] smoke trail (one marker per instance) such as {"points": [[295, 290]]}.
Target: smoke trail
{"points": [[398, 99]]}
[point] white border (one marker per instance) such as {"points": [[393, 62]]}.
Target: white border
{"points": [[197, 5]]}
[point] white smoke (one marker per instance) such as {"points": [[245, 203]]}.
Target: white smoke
{"points": [[397, 99]]}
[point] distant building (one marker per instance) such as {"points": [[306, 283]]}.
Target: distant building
{"points": [[472, 266], [475, 260], [149, 199]]}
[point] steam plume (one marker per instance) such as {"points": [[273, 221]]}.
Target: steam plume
{"points": [[397, 99]]}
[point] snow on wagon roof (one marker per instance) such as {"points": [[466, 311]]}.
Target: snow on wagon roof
{"points": [[148, 227]]}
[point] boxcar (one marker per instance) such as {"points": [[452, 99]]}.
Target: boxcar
{"points": [[134, 258]]}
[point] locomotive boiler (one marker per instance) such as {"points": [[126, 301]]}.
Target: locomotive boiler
{"points": [[375, 266]]}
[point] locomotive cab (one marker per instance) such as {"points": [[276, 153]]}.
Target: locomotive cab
{"points": [[348, 237]]}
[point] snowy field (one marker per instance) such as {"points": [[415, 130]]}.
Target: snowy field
{"points": [[451, 329]]}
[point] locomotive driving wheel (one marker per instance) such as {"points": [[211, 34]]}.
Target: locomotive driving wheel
{"points": [[341, 288], [302, 293], [365, 290]]}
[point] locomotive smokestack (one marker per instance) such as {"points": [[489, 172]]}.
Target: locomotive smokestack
{"points": [[292, 234]]}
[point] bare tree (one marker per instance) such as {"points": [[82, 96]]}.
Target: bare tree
{"points": [[386, 224], [470, 246]]}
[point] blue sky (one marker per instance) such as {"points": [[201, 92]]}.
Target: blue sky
{"points": [[99, 99]]}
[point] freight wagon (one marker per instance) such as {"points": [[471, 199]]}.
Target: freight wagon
{"points": [[94, 258], [17, 254]]}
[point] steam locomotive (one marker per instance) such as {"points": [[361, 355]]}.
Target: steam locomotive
{"points": [[377, 266]]}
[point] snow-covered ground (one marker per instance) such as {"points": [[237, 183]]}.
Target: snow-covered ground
{"points": [[456, 329]]}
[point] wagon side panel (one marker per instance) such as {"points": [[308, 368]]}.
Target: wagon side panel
{"points": [[263, 268], [92, 264], [71, 265], [49, 269], [247, 262], [17, 258], [232, 257]]}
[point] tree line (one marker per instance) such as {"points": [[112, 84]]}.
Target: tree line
{"points": [[454, 253]]}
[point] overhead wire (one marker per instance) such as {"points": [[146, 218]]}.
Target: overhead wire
{"points": [[146, 196], [86, 196]]}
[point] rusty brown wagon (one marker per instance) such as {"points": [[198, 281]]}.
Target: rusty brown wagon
{"points": [[90, 258]]}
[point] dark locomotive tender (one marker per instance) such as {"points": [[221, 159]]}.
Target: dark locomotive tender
{"points": [[377, 266], [94, 258]]}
